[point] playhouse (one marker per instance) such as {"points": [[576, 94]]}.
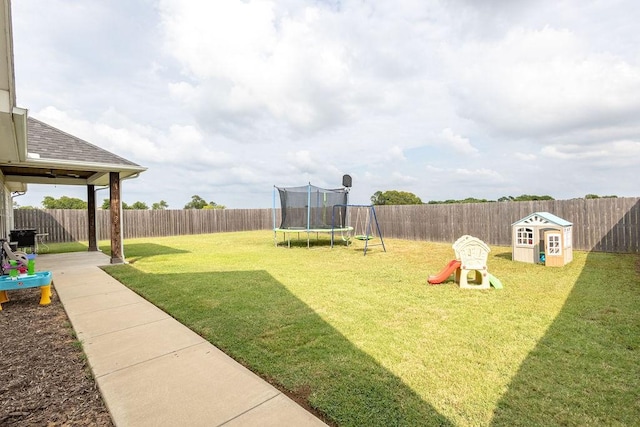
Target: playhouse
{"points": [[472, 254], [542, 238], [471, 258]]}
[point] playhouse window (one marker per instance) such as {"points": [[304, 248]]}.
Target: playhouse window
{"points": [[553, 245], [524, 236]]}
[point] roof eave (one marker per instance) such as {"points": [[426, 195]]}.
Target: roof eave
{"points": [[79, 165], [547, 216], [98, 179]]}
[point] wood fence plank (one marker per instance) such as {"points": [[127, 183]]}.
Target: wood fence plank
{"points": [[610, 224]]}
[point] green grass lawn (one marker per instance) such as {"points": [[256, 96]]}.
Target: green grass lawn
{"points": [[370, 343]]}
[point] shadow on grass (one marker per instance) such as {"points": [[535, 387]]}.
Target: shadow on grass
{"points": [[339, 243], [257, 321], [323, 240], [585, 370], [506, 255], [61, 248], [135, 251]]}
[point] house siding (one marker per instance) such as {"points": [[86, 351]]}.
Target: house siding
{"points": [[6, 210]]}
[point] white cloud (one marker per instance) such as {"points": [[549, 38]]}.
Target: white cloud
{"points": [[303, 162], [180, 145], [248, 60], [541, 81], [450, 99], [615, 152], [396, 153], [458, 142], [482, 173], [398, 178], [525, 156]]}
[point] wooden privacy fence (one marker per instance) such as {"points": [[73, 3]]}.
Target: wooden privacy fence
{"points": [[605, 225], [69, 225]]}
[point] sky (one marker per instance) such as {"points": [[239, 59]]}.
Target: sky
{"points": [[444, 99]]}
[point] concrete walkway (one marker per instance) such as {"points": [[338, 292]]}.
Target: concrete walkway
{"points": [[151, 369]]}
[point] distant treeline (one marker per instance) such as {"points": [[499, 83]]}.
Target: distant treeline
{"points": [[521, 198], [395, 197]]}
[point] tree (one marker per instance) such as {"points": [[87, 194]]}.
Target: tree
{"points": [[63, 202], [452, 201], [474, 200], [214, 205], [521, 198], [17, 206], [198, 202], [139, 205], [524, 198], [106, 205], [531, 197], [394, 197], [161, 205], [595, 196]]}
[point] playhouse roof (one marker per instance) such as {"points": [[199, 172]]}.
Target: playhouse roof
{"points": [[541, 218]]}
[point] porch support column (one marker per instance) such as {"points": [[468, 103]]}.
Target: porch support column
{"points": [[117, 256], [91, 210]]}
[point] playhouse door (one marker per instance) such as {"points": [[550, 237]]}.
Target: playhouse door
{"points": [[553, 249]]}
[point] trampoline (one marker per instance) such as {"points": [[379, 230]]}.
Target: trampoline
{"points": [[309, 209], [288, 231]]}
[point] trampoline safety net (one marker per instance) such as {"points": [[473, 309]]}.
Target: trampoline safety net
{"points": [[312, 208]]}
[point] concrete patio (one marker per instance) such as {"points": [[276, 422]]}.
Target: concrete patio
{"points": [[151, 369]]}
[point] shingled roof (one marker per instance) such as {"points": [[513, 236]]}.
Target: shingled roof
{"points": [[56, 157], [48, 142]]}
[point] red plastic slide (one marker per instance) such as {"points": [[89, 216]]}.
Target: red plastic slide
{"points": [[445, 273]]}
